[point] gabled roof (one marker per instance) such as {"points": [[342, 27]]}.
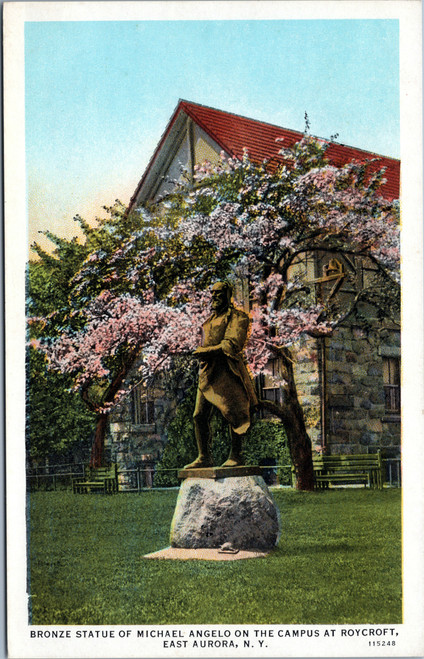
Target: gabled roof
{"points": [[233, 133]]}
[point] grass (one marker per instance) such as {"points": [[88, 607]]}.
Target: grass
{"points": [[338, 561]]}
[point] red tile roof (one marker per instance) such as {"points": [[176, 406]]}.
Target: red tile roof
{"points": [[233, 133]]}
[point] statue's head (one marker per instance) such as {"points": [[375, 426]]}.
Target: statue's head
{"points": [[222, 293]]}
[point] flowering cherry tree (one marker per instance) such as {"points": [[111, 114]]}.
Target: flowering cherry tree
{"points": [[265, 221], [143, 300]]}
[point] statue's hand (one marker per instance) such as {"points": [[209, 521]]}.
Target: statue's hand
{"points": [[199, 352], [203, 352]]}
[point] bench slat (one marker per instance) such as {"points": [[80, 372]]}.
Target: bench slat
{"points": [[361, 468], [101, 478]]}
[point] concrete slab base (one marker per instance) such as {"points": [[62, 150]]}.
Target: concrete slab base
{"points": [[177, 553], [219, 472]]}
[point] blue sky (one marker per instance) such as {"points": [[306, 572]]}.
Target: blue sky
{"points": [[99, 95]]}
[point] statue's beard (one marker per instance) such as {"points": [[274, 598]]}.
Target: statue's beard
{"points": [[219, 307]]}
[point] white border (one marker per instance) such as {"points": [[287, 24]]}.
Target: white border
{"points": [[410, 634]]}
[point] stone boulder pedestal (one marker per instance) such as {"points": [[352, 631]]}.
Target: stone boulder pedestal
{"points": [[236, 511]]}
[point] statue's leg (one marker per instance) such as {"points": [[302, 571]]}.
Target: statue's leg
{"points": [[234, 459], [202, 432]]}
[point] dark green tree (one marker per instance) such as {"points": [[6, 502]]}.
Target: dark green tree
{"points": [[57, 421]]}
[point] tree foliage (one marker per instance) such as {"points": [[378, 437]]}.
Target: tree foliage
{"points": [[57, 421], [142, 291]]}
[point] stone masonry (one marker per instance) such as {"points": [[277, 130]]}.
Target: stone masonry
{"points": [[357, 421], [349, 377]]}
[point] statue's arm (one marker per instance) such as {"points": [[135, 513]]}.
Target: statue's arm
{"points": [[233, 341], [203, 351], [235, 335]]}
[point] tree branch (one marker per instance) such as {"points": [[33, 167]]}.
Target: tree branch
{"points": [[350, 311], [86, 398], [277, 410], [121, 375]]}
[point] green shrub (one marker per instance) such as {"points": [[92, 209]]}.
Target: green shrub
{"points": [[264, 444]]}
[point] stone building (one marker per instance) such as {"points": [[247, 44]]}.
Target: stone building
{"points": [[348, 384]]}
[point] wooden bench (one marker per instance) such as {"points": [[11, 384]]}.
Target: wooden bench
{"points": [[364, 468], [97, 479]]}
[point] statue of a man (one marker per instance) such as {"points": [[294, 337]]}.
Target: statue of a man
{"points": [[224, 381]]}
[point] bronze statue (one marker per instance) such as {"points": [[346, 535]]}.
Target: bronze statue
{"points": [[224, 381]]}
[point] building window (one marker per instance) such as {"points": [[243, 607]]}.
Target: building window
{"points": [[143, 407], [391, 380], [269, 383]]}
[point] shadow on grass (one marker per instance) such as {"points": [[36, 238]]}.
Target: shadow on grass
{"points": [[327, 549]]}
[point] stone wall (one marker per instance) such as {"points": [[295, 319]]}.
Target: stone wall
{"points": [[136, 448], [356, 418], [349, 376], [308, 383]]}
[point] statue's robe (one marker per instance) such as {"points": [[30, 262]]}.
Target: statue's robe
{"points": [[224, 379]]}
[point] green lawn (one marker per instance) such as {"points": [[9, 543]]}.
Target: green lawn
{"points": [[338, 561]]}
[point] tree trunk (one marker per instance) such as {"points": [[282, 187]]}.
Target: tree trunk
{"points": [[300, 448], [291, 415], [299, 442], [97, 449]]}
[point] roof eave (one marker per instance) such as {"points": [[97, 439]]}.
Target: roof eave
{"points": [[154, 157]]}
